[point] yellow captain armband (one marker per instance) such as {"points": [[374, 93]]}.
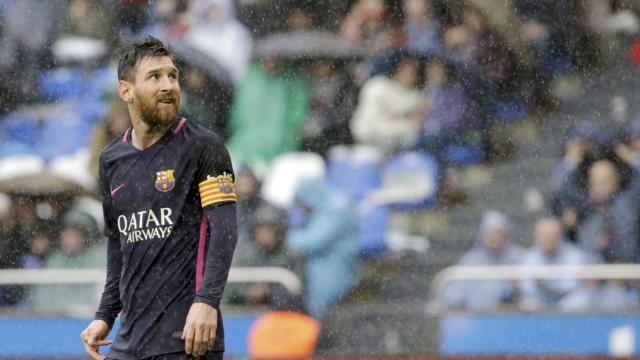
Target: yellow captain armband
{"points": [[216, 190]]}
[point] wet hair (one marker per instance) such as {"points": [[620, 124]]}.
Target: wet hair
{"points": [[134, 52]]}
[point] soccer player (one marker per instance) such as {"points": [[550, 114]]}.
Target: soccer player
{"points": [[170, 218]]}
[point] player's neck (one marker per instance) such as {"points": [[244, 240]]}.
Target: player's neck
{"points": [[143, 135]]}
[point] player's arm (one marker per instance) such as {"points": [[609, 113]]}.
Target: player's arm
{"points": [[217, 198], [93, 336]]}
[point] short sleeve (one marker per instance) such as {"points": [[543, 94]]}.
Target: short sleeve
{"points": [[216, 181]]}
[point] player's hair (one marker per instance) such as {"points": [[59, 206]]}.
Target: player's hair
{"points": [[134, 52]]}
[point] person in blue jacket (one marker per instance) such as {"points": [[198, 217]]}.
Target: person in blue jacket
{"points": [[327, 236]]}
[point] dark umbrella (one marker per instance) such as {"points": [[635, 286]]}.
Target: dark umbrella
{"points": [[195, 58], [306, 45]]}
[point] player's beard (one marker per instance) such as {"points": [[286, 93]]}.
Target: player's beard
{"points": [[158, 116]]}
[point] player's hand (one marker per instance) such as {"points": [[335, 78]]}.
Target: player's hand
{"points": [[93, 337], [199, 333]]}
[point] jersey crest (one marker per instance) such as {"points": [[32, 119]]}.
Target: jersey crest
{"points": [[165, 181]]}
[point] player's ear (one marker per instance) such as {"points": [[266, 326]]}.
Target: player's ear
{"points": [[125, 91]]}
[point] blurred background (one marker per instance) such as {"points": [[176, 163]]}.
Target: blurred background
{"points": [[415, 177]]}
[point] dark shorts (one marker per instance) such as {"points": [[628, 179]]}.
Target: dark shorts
{"points": [[183, 356]]}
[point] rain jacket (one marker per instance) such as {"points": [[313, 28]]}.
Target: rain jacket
{"points": [[485, 295], [384, 114], [556, 293], [225, 39], [328, 239], [616, 218], [266, 116]]}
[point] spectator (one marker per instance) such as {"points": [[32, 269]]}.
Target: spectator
{"points": [[447, 120], [423, 30], [217, 33], [610, 225], [267, 248], [333, 99], [550, 248], [79, 249], [194, 101], [91, 19], [39, 248], [249, 200], [371, 25], [477, 42], [115, 123], [493, 247], [268, 110], [27, 36], [328, 238], [390, 111], [582, 141]]}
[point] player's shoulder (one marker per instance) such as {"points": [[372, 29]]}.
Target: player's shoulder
{"points": [[201, 137], [115, 147]]}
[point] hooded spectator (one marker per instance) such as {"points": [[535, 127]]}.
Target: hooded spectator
{"points": [[267, 249], [328, 237], [268, 110], [219, 34], [493, 247]]}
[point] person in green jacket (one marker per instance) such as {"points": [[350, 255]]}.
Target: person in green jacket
{"points": [[269, 108], [80, 248]]}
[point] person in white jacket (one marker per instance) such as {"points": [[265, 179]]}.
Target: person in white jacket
{"points": [[391, 109], [219, 34]]}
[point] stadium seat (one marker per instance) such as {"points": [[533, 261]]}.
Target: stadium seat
{"points": [[465, 155], [19, 128], [354, 170], [62, 135], [103, 79], [282, 179], [512, 111], [409, 182], [91, 110], [63, 83], [373, 222]]}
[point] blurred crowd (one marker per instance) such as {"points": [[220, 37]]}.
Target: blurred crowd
{"points": [[386, 95]]}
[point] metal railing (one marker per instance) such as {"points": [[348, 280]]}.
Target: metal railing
{"points": [[282, 276], [551, 272]]}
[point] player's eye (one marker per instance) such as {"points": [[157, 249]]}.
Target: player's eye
{"points": [[155, 76]]}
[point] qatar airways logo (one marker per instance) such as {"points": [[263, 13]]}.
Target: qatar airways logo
{"points": [[145, 225]]}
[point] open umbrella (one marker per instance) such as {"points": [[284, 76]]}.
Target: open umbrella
{"points": [[306, 45], [193, 57]]}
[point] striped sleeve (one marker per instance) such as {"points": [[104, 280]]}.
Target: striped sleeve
{"points": [[216, 190]]}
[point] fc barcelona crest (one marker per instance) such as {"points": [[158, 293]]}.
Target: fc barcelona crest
{"points": [[165, 180]]}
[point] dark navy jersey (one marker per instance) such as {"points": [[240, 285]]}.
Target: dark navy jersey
{"points": [[164, 252]]}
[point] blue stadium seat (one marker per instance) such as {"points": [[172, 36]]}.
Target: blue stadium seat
{"points": [[63, 83], [410, 181], [14, 148], [465, 155], [103, 79], [373, 222], [19, 128], [62, 135], [355, 171], [91, 110], [512, 111]]}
